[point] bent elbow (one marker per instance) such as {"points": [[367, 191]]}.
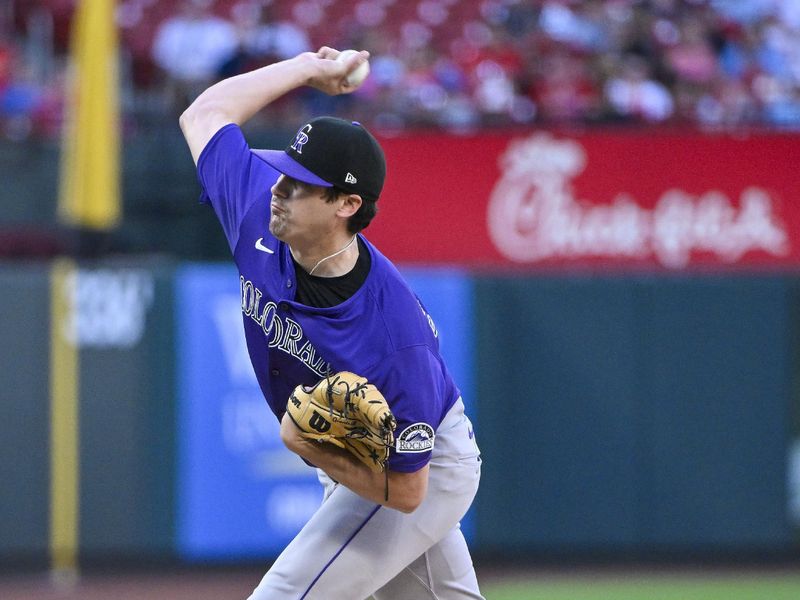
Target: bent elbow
{"points": [[408, 503], [407, 508], [412, 488], [187, 117], [198, 113], [183, 120]]}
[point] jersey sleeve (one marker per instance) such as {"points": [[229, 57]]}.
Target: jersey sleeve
{"points": [[232, 178], [415, 392]]}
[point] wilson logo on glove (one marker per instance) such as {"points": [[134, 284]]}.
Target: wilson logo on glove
{"points": [[318, 423]]}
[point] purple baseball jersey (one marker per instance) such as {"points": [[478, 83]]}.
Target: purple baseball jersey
{"points": [[382, 332]]}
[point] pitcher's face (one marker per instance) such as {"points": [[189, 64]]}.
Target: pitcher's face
{"points": [[300, 210]]}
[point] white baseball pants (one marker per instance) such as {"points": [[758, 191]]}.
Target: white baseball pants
{"points": [[352, 549]]}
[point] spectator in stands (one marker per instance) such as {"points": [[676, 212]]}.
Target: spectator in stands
{"points": [[576, 25], [6, 60], [262, 38], [633, 94], [191, 49], [423, 95], [20, 96], [268, 37], [726, 105], [564, 88], [691, 58], [780, 101]]}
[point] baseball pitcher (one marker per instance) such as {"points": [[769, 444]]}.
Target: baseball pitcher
{"points": [[345, 353]]}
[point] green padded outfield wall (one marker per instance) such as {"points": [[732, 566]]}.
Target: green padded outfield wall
{"points": [[123, 314], [24, 412], [127, 402], [655, 410]]}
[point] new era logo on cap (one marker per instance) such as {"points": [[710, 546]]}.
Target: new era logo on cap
{"points": [[327, 152]]}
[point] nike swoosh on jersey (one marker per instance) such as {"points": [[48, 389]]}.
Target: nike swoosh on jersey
{"points": [[262, 247]]}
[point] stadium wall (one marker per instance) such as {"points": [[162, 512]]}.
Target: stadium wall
{"points": [[654, 413]]}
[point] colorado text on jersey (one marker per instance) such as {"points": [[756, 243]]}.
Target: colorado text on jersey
{"points": [[283, 333]]}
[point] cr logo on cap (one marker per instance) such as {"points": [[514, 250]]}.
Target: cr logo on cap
{"points": [[301, 138]]}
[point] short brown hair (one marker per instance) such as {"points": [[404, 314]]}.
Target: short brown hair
{"points": [[362, 217]]}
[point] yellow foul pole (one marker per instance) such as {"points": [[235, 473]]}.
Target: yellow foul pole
{"points": [[64, 423], [89, 195], [89, 198]]}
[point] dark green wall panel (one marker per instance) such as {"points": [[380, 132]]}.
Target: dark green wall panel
{"points": [[128, 423], [558, 364], [718, 377], [24, 411], [656, 412]]}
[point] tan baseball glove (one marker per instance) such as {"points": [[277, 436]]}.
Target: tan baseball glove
{"points": [[346, 410]]}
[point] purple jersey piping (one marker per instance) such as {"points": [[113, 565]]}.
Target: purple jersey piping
{"points": [[339, 551]]}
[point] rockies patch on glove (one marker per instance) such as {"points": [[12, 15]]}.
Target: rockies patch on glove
{"points": [[346, 410]]}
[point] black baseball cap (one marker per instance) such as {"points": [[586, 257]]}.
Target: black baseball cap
{"points": [[332, 152]]}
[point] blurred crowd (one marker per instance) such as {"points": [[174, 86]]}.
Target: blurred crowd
{"points": [[454, 64]]}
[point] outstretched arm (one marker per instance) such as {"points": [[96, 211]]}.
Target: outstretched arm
{"points": [[238, 98], [406, 490]]}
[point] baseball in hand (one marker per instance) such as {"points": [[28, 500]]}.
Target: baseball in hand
{"points": [[358, 76]]}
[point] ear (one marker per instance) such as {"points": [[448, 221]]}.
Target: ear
{"points": [[350, 205]]}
